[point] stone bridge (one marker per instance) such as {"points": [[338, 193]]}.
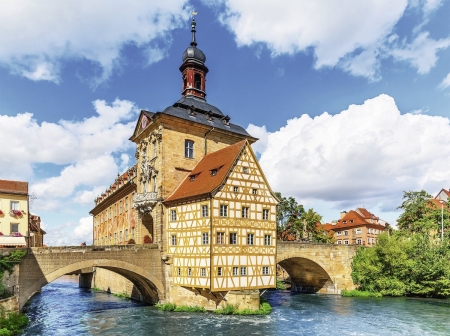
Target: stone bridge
{"points": [[320, 268], [323, 268], [141, 264]]}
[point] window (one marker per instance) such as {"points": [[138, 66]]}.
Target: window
{"points": [[235, 271], [236, 189], [255, 191], [339, 242], [245, 212], [265, 270], [14, 205], [339, 233], [126, 234], [132, 233], [345, 222], [245, 170], [189, 149], [358, 241], [155, 185], [173, 215], [223, 210], [345, 233], [219, 271], [184, 82], [203, 272], [214, 172], [174, 240], [233, 238], [346, 242], [351, 220], [179, 271], [265, 214], [205, 238], [267, 240], [120, 207], [220, 237], [120, 236], [204, 211], [115, 209], [198, 81], [192, 178], [189, 271], [244, 270], [126, 203], [14, 227], [115, 237], [358, 231], [154, 149], [250, 239]]}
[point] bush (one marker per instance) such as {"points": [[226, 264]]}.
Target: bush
{"points": [[190, 309], [357, 293], [281, 285], [166, 306], [131, 241], [12, 323], [229, 309], [147, 239]]}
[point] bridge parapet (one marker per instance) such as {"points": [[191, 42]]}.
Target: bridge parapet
{"points": [[92, 248]]}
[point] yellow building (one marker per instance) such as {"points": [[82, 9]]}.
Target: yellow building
{"points": [[13, 213], [199, 193]]}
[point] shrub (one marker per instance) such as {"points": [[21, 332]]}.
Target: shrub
{"points": [[166, 306], [281, 285], [131, 241], [229, 309], [12, 323], [357, 293], [147, 239]]}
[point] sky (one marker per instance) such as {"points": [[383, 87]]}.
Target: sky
{"points": [[350, 99]]}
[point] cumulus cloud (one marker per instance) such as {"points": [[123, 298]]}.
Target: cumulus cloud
{"points": [[64, 142], [353, 35], [70, 233], [369, 154], [37, 37]]}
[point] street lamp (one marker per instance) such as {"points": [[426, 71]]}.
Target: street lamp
{"points": [[442, 220]]}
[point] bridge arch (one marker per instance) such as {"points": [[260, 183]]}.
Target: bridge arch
{"points": [[150, 287]]}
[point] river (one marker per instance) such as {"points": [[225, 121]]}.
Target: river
{"points": [[64, 309]]}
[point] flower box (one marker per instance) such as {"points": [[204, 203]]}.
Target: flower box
{"points": [[16, 213], [1, 213]]}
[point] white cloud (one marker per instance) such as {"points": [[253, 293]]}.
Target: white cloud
{"points": [[83, 232], [421, 53], [37, 36], [64, 142], [353, 35], [445, 82], [368, 154]]}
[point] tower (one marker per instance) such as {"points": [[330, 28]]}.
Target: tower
{"points": [[193, 69]]}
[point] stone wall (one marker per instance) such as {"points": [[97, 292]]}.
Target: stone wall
{"points": [[112, 282], [10, 304]]}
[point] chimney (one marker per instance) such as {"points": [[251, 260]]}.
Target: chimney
{"points": [[343, 213]]}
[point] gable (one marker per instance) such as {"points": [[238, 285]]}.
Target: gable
{"points": [[144, 121]]}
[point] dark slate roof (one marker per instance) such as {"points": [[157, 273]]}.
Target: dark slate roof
{"points": [[195, 53], [199, 105], [203, 118]]}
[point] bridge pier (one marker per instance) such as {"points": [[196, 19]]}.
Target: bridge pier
{"points": [[85, 280]]}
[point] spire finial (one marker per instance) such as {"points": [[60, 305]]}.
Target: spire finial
{"points": [[193, 24]]}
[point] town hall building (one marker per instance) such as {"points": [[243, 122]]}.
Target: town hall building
{"points": [[198, 192]]}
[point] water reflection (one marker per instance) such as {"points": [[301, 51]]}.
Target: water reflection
{"points": [[64, 309]]}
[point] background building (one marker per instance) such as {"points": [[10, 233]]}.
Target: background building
{"points": [[358, 226]]}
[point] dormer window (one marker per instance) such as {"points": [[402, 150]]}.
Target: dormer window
{"points": [[192, 178], [345, 222], [198, 81]]}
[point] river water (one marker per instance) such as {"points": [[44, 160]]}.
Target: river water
{"points": [[64, 309]]}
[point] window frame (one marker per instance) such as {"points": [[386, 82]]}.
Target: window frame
{"points": [[233, 238], [203, 272], [245, 212], [243, 271], [205, 238], [205, 211], [235, 271], [267, 240], [265, 270], [265, 214], [189, 149], [250, 239], [173, 215], [220, 238], [224, 210], [173, 240], [219, 271]]}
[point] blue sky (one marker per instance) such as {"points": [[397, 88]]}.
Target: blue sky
{"points": [[350, 100]]}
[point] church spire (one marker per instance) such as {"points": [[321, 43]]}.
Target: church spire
{"points": [[193, 68]]}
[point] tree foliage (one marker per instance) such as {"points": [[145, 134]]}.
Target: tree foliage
{"points": [[294, 223]]}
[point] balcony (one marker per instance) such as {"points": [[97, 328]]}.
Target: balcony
{"points": [[145, 202]]}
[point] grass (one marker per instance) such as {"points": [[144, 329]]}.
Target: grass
{"points": [[357, 293], [95, 288], [175, 308], [229, 309], [122, 295], [281, 285]]}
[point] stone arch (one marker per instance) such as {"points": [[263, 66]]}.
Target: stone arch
{"points": [[307, 275], [150, 287]]}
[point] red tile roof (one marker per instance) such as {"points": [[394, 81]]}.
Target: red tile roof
{"points": [[14, 187], [355, 219], [200, 181]]}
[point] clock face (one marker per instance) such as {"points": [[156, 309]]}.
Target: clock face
{"points": [[144, 122]]}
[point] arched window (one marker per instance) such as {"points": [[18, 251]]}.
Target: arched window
{"points": [[198, 81], [184, 82]]}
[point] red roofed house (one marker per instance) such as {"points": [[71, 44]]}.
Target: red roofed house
{"points": [[358, 226]]}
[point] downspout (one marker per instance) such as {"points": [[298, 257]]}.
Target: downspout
{"points": [[206, 147]]}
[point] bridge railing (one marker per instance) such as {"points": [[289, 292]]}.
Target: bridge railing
{"points": [[92, 248], [301, 242]]}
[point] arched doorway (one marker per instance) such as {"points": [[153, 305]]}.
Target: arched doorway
{"points": [[147, 223], [307, 276]]}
